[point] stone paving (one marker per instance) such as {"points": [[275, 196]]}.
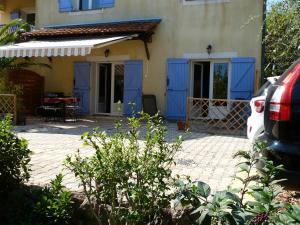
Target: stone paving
{"points": [[204, 157]]}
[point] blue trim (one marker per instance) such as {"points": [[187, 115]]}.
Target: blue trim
{"points": [[103, 22]]}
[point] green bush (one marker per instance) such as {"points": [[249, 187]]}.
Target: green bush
{"points": [[14, 157], [128, 178], [55, 206], [255, 203]]}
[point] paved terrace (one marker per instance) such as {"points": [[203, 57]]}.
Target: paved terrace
{"points": [[204, 157]]}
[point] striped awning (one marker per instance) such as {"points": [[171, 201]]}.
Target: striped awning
{"points": [[58, 48]]}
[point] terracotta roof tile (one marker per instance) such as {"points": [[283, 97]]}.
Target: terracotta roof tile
{"points": [[138, 27]]}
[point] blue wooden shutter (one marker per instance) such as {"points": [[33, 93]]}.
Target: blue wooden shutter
{"points": [[177, 88], [15, 14], [97, 4], [65, 5], [82, 85], [133, 82], [242, 78]]}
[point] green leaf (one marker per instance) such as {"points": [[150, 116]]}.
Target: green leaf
{"points": [[203, 189]]}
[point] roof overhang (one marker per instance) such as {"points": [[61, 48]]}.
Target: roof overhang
{"points": [[144, 28], [51, 48]]}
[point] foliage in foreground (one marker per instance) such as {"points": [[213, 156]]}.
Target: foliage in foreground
{"points": [[55, 206], [255, 203], [128, 179], [14, 157]]}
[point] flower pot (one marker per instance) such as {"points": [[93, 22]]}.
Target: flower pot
{"points": [[181, 125]]}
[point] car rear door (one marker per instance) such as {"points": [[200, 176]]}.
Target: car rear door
{"points": [[285, 130]]}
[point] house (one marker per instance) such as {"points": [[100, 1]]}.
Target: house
{"points": [[111, 52]]}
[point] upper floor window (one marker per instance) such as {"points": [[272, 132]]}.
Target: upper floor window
{"points": [[81, 5], [26, 14], [197, 2]]}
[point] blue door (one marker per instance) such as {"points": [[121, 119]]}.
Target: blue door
{"points": [[133, 82], [177, 88], [82, 72], [242, 78]]}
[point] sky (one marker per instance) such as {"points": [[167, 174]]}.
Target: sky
{"points": [[270, 2], [273, 1]]}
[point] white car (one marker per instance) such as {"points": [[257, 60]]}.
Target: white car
{"points": [[255, 123]]}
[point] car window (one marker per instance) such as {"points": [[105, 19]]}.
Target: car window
{"points": [[261, 91]]}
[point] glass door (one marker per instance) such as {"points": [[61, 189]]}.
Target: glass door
{"points": [[104, 88], [219, 89], [117, 88]]}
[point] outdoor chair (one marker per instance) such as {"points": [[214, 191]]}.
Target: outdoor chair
{"points": [[71, 110], [52, 112], [149, 105]]}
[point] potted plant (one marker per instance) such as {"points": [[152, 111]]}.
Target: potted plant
{"points": [[180, 125]]}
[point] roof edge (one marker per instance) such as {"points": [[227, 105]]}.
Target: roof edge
{"points": [[103, 22]]}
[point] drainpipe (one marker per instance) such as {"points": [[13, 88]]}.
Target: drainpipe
{"points": [[263, 47]]}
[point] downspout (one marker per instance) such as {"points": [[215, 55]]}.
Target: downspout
{"points": [[263, 47]]}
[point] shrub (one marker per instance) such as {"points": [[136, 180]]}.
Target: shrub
{"points": [[55, 206], [14, 157], [129, 175], [255, 203]]}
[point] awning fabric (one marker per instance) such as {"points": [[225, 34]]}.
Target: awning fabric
{"points": [[58, 48]]}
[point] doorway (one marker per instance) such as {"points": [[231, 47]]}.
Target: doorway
{"points": [[104, 88], [200, 85], [110, 88]]}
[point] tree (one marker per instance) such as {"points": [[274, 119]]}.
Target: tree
{"points": [[282, 37]]}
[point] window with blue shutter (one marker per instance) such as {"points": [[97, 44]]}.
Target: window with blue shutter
{"points": [[15, 14], [65, 5], [98, 4], [133, 82], [74, 5], [177, 88], [242, 78]]}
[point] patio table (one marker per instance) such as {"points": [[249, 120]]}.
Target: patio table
{"points": [[62, 106]]}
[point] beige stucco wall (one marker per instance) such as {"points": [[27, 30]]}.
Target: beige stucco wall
{"points": [[11, 5], [228, 27]]}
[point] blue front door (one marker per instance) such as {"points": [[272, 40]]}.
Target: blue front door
{"points": [[177, 88], [82, 72]]}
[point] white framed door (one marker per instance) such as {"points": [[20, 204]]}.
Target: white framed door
{"points": [[117, 88], [109, 88], [220, 80]]}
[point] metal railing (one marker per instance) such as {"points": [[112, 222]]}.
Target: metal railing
{"points": [[8, 105], [14, 28], [217, 116]]}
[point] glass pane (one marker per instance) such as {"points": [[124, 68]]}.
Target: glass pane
{"points": [[30, 18], [220, 81], [119, 83]]}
